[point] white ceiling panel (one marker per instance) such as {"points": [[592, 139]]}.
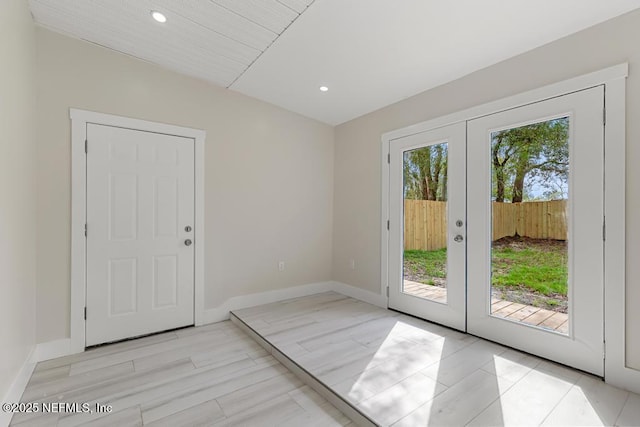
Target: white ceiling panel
{"points": [[201, 38], [297, 5], [374, 53], [370, 53], [270, 14], [221, 20]]}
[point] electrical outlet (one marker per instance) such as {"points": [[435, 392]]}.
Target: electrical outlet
{"points": [[352, 264], [281, 266]]}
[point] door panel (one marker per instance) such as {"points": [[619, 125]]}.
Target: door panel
{"points": [[574, 219], [140, 198], [522, 221], [426, 272]]}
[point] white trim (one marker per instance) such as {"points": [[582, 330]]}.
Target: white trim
{"points": [[51, 350], [199, 231], [360, 294], [616, 370], [64, 347], [79, 120], [384, 217], [613, 78], [19, 384], [221, 312], [540, 94]]}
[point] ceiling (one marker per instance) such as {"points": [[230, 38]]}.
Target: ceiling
{"points": [[369, 53]]}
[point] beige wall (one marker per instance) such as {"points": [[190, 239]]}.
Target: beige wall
{"points": [[17, 188], [357, 153], [268, 173]]}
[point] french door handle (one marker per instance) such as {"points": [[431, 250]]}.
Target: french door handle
{"points": [[458, 238], [188, 242]]}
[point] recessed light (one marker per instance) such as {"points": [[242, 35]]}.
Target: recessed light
{"points": [[323, 88], [158, 16]]}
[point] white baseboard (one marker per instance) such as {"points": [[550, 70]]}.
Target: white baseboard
{"points": [[360, 294], [63, 347], [52, 349], [14, 393], [221, 312]]}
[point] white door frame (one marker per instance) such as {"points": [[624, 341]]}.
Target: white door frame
{"points": [[614, 80], [79, 121]]}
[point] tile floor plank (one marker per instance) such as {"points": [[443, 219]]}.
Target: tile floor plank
{"points": [[590, 402], [459, 404], [203, 414], [106, 350], [169, 392], [630, 415], [449, 378], [393, 368]]}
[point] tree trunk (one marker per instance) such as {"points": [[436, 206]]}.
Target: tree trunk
{"points": [[499, 168], [499, 184], [445, 183], [425, 188], [518, 185]]}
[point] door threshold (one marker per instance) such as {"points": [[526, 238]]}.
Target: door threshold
{"points": [[91, 347]]}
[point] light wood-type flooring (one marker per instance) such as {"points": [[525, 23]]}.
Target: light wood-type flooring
{"points": [[214, 375], [401, 371]]}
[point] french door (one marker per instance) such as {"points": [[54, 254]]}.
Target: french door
{"points": [[427, 217], [496, 227]]}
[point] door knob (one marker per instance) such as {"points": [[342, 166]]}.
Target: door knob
{"points": [[458, 238], [188, 242]]}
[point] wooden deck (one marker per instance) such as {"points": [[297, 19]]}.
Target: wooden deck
{"points": [[527, 314]]}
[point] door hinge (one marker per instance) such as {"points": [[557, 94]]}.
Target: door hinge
{"points": [[85, 313], [85, 229], [387, 224], [86, 146], [389, 158], [387, 292], [604, 116], [604, 231]]}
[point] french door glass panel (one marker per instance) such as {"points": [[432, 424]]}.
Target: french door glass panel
{"points": [[529, 218], [427, 274], [425, 177], [535, 200]]}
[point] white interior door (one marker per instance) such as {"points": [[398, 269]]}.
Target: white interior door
{"points": [[427, 225], [575, 172], [140, 218]]}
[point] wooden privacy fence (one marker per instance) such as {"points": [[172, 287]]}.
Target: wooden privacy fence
{"points": [[425, 224]]}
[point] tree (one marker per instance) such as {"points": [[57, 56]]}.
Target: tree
{"points": [[426, 173], [539, 150], [500, 155]]}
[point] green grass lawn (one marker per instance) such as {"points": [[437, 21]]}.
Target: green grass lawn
{"points": [[538, 267], [541, 271], [426, 264]]}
